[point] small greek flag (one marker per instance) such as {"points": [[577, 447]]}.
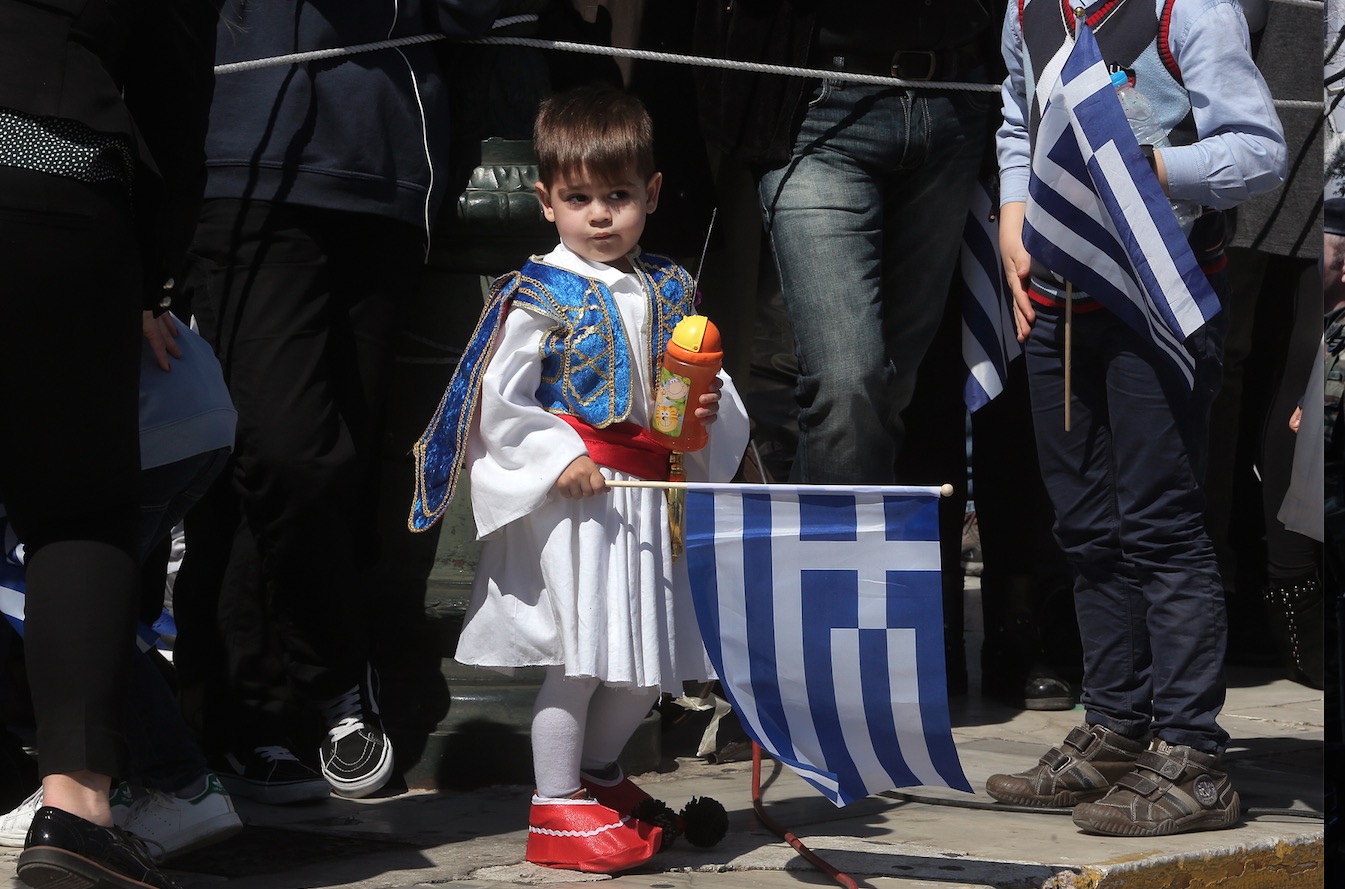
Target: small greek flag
{"points": [[1097, 216], [989, 341], [822, 613]]}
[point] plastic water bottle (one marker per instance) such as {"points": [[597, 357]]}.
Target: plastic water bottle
{"points": [[690, 362], [1144, 124]]}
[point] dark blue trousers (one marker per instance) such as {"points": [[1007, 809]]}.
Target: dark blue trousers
{"points": [[1125, 482]]}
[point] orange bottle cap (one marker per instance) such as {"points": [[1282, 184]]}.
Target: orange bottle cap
{"points": [[696, 333]]}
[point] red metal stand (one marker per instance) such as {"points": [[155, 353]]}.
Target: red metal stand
{"points": [[844, 880]]}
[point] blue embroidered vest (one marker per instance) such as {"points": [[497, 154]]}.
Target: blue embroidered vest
{"points": [[586, 362]]}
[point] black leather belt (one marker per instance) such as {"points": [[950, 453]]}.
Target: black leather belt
{"points": [[906, 64]]}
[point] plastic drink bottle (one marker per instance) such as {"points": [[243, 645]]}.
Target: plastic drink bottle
{"points": [[1144, 124], [690, 362]]}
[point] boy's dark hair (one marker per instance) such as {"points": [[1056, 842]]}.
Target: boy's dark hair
{"points": [[595, 128]]}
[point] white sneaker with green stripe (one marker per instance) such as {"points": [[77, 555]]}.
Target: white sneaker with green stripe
{"points": [[170, 825]]}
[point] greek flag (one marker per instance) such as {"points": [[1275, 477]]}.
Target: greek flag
{"points": [[1097, 216], [989, 341], [12, 586], [822, 614]]}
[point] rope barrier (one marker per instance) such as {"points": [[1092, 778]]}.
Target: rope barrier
{"points": [[673, 58], [313, 55], [297, 58], [1298, 104], [733, 65], [615, 51]]}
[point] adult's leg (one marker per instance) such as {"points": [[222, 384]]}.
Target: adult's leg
{"points": [[233, 689], [925, 204], [164, 752], [861, 320], [378, 266], [1230, 480], [72, 496], [303, 311], [1031, 649], [1293, 561], [294, 325]]}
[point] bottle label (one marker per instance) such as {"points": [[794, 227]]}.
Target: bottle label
{"points": [[670, 402]]}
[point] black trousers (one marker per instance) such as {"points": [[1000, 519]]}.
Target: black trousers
{"points": [[70, 335], [302, 306]]}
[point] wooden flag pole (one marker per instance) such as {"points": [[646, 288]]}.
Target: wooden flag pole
{"points": [[945, 490], [1069, 344], [641, 483]]}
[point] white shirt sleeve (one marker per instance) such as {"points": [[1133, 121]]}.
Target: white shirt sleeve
{"points": [[516, 449]]}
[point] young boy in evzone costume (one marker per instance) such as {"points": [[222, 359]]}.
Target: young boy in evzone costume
{"points": [[551, 400]]}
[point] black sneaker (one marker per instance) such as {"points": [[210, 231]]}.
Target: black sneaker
{"points": [[65, 850], [272, 775], [356, 755]]}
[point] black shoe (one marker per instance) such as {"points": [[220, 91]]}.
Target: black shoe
{"points": [[270, 774], [64, 850], [356, 755], [1045, 690]]}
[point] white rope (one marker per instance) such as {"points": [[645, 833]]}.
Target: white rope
{"points": [[1300, 104], [1315, 4], [313, 55], [677, 58], [731, 64], [590, 49], [298, 58]]}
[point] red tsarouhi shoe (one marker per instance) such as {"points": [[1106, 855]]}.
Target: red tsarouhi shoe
{"points": [[702, 821], [585, 835]]}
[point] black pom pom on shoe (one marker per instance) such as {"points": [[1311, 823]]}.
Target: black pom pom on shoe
{"points": [[660, 814], [704, 821]]}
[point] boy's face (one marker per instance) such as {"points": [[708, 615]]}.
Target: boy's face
{"points": [[600, 221]]}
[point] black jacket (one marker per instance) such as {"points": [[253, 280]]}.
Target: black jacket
{"points": [[366, 133], [138, 68]]}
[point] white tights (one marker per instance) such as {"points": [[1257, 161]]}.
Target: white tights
{"points": [[581, 724]]}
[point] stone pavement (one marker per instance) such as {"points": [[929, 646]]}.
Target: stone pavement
{"points": [[920, 838]]}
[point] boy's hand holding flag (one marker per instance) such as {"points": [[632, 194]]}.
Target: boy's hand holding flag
{"points": [[1097, 216]]}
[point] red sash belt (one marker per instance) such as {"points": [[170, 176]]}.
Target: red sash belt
{"points": [[625, 447], [1043, 299]]}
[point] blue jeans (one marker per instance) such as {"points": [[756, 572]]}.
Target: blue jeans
{"points": [[865, 221], [1125, 482]]}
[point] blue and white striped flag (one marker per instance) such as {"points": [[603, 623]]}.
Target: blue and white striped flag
{"points": [[1097, 216], [822, 613], [989, 341]]}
